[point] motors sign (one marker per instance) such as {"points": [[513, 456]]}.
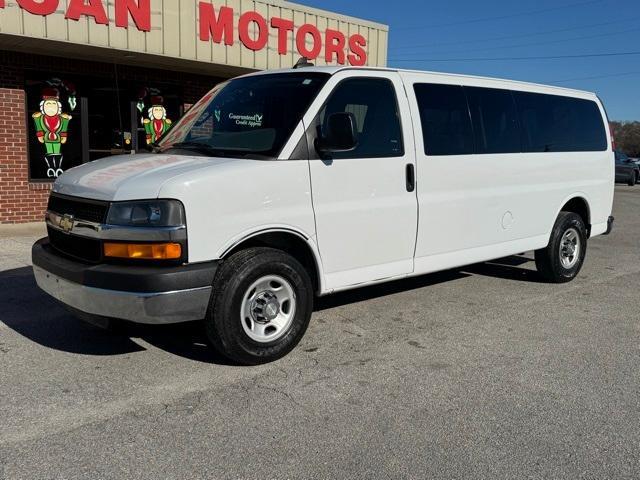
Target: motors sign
{"points": [[219, 25]]}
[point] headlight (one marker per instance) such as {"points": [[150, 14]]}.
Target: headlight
{"points": [[147, 213]]}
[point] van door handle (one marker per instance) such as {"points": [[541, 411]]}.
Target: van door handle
{"points": [[410, 177]]}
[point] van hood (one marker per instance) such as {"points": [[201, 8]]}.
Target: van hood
{"points": [[129, 177]]}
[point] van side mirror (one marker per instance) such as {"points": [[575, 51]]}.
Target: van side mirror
{"points": [[341, 134]]}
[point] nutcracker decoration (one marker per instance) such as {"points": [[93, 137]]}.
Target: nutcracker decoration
{"points": [[157, 124], [51, 129]]}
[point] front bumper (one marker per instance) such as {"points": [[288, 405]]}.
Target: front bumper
{"points": [[151, 295]]}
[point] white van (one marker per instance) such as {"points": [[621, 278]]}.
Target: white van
{"points": [[280, 186]]}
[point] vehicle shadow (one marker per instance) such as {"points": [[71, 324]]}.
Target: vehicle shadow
{"points": [[33, 314], [383, 289], [508, 268], [36, 316]]}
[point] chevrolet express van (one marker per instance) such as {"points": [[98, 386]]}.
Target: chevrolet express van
{"points": [[280, 186]]}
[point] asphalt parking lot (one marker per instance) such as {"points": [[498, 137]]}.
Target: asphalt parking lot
{"points": [[481, 372]]}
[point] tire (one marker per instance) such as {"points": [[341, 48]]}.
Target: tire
{"points": [[632, 179], [556, 265], [260, 306]]}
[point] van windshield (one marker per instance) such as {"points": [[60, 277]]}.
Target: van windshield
{"points": [[249, 116]]}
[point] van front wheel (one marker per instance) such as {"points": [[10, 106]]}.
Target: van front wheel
{"points": [[260, 306], [562, 259]]}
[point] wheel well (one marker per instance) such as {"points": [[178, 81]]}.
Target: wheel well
{"points": [[290, 243], [579, 206]]}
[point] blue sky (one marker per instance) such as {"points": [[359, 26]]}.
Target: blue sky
{"points": [[470, 29]]}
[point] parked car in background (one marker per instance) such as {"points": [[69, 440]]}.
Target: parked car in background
{"points": [[627, 170]]}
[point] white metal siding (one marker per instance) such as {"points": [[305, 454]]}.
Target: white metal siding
{"points": [[175, 32]]}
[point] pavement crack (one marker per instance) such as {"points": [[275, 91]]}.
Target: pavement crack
{"points": [[186, 405], [287, 395]]}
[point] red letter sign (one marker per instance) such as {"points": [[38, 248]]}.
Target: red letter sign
{"points": [[301, 41], [284, 27], [44, 7], [243, 29], [358, 55], [140, 12], [215, 27], [332, 47], [93, 9]]}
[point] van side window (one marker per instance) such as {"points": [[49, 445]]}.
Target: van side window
{"points": [[553, 123], [374, 104], [444, 114], [495, 120]]}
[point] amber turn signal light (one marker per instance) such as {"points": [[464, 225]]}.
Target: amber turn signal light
{"points": [[143, 251]]}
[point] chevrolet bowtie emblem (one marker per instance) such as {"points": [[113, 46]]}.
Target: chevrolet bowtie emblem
{"points": [[66, 223]]}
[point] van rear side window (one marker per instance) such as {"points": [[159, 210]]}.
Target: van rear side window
{"points": [[460, 120], [495, 120], [552, 123], [446, 124]]}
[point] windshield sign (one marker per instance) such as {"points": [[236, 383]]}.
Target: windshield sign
{"points": [[247, 116]]}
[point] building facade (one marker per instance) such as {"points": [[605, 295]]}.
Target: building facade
{"points": [[84, 79]]}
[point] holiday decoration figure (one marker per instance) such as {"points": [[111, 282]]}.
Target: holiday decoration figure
{"points": [[157, 124], [51, 129]]}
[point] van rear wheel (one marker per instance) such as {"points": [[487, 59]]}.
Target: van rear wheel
{"points": [[260, 306], [563, 258]]}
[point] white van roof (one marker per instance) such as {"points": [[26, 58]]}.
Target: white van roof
{"points": [[513, 84]]}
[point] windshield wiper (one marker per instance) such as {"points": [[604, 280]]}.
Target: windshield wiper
{"points": [[218, 152], [201, 147]]}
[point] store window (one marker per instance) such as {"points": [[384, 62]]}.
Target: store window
{"points": [[157, 110], [55, 140], [75, 119]]}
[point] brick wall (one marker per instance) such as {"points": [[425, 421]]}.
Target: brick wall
{"points": [[24, 201], [20, 201]]}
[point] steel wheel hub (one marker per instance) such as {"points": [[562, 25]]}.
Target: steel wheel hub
{"points": [[268, 308], [570, 248], [265, 307]]}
